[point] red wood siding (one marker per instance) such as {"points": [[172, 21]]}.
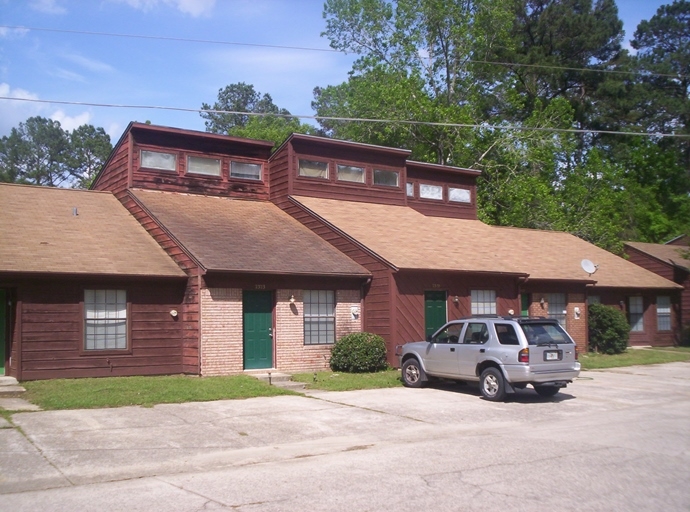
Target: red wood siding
{"points": [[51, 340], [190, 309], [180, 181], [114, 176], [279, 177], [444, 207], [682, 277], [410, 298], [377, 304]]}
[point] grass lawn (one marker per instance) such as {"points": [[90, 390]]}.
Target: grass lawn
{"points": [[146, 391], [634, 356], [338, 381]]}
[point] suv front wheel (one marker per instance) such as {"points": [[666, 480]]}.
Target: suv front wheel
{"points": [[412, 373], [492, 384]]}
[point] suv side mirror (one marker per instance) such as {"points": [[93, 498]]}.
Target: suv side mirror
{"points": [[428, 338]]}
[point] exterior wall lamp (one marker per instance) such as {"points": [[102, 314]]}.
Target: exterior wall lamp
{"points": [[292, 299]]}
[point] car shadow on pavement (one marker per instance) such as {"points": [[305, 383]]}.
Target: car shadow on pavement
{"points": [[526, 396]]}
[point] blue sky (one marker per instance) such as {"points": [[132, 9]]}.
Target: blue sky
{"points": [[101, 69]]}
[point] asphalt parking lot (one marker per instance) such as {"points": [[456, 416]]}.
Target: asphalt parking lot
{"points": [[613, 440]]}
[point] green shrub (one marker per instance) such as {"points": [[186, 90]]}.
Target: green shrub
{"points": [[359, 352], [608, 329]]}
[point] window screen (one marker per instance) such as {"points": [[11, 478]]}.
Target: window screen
{"points": [[245, 170], [158, 160], [387, 178], [663, 313], [105, 319], [319, 317], [430, 191], [636, 314], [351, 173], [200, 165], [483, 302], [313, 169], [557, 307]]}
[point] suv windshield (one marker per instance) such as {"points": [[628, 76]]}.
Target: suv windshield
{"points": [[544, 333]]}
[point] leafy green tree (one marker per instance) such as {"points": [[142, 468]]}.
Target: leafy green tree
{"points": [[90, 148], [40, 152], [242, 97], [35, 152]]}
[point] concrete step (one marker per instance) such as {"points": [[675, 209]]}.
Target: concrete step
{"points": [[10, 387], [6, 380], [278, 379]]}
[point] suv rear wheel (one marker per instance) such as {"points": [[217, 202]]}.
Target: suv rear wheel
{"points": [[492, 384], [412, 373]]}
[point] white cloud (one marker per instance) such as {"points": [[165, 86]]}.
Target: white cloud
{"points": [[14, 111], [8, 33], [194, 8], [47, 7], [69, 123], [89, 64]]}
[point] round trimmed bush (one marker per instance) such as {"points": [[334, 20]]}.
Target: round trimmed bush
{"points": [[608, 329], [359, 352]]}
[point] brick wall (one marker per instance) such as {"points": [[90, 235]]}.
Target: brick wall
{"points": [[291, 352], [221, 331]]}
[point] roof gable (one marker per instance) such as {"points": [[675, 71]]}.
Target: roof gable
{"points": [[234, 235], [67, 231], [408, 239]]}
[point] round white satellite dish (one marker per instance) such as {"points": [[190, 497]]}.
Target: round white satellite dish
{"points": [[589, 267]]}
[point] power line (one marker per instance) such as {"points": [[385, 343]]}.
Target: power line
{"points": [[329, 50], [352, 119]]}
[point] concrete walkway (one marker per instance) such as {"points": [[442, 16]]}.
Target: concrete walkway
{"points": [[613, 440]]}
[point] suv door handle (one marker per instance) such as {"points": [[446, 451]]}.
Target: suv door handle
{"points": [[452, 349], [482, 350]]}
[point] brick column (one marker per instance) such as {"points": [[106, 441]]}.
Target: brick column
{"points": [[221, 331]]}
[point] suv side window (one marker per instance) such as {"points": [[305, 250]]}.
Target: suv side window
{"points": [[506, 334], [476, 333], [451, 334]]}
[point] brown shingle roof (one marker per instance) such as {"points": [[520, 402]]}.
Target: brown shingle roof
{"points": [[245, 236], [40, 233], [674, 255], [408, 239]]}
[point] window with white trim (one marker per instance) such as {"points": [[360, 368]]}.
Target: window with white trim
{"points": [[636, 314], [158, 160], [557, 305], [245, 170], [386, 178], [483, 302], [202, 165], [105, 320], [409, 187], [427, 191], [319, 317], [350, 173], [459, 195], [313, 169], [663, 313]]}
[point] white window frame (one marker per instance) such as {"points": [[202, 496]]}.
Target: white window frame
{"points": [[663, 313], [344, 172], [429, 191], [144, 153], [216, 172], [105, 320], [483, 302], [245, 176], [307, 171], [409, 189], [636, 313], [459, 195], [319, 317]]}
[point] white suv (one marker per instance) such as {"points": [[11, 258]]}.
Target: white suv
{"points": [[501, 353]]}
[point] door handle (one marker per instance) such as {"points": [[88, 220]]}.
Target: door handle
{"points": [[482, 350], [452, 349]]}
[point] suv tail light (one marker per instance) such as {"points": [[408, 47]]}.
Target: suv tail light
{"points": [[523, 356]]}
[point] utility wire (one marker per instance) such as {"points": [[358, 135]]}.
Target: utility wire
{"points": [[353, 119], [330, 50]]}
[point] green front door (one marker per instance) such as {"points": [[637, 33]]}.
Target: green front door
{"points": [[3, 329], [257, 312], [434, 311], [524, 304]]}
